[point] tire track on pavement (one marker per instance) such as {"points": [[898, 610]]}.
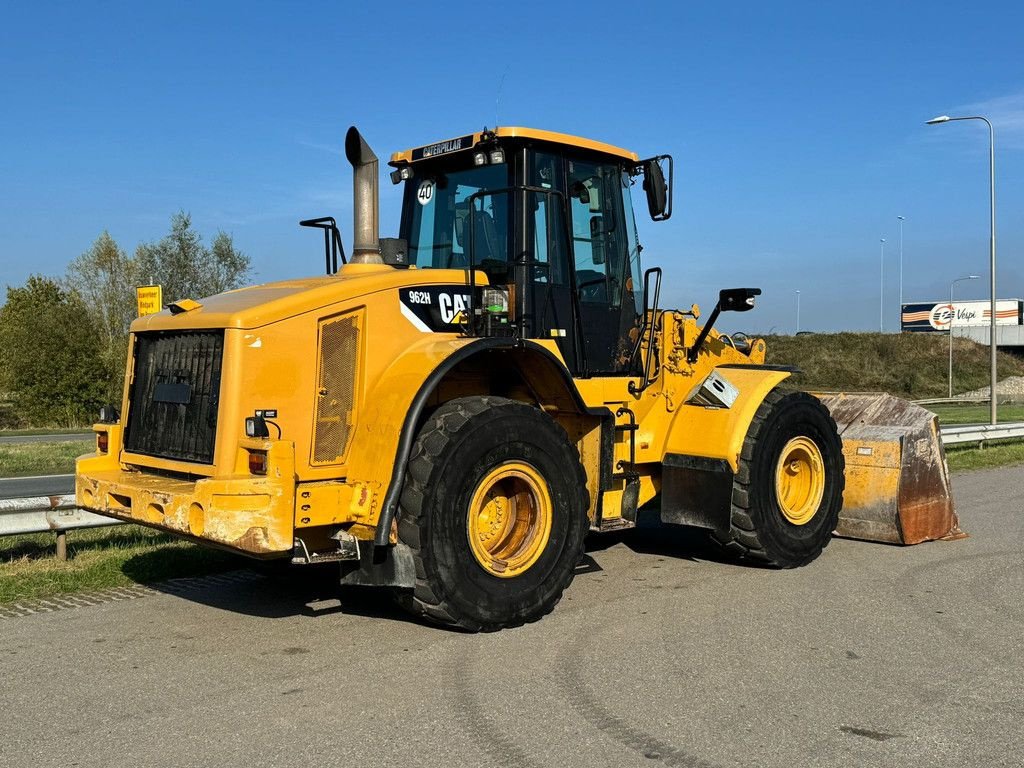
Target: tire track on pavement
{"points": [[572, 680]]}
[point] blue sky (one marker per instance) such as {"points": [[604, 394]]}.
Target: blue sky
{"points": [[797, 128]]}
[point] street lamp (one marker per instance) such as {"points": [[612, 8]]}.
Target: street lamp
{"points": [[901, 220], [992, 246], [881, 290], [798, 312], [952, 314]]}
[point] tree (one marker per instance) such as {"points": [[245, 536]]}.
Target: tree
{"points": [[106, 277], [186, 268], [52, 354]]}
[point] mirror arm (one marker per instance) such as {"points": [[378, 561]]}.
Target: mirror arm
{"points": [[691, 356]]}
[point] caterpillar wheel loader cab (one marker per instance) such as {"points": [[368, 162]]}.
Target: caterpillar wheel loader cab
{"points": [[451, 411]]}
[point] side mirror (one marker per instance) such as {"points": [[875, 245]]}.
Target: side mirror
{"points": [[737, 299], [659, 193]]}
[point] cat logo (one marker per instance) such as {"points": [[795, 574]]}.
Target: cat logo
{"points": [[452, 307], [435, 308]]}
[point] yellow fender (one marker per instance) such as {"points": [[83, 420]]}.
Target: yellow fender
{"points": [[702, 451], [388, 425], [718, 433]]}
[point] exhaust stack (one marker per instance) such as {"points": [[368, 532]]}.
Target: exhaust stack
{"points": [[366, 229]]}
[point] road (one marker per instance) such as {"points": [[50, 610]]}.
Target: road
{"points": [[41, 485], [660, 654]]}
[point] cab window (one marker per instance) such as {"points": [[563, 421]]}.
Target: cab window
{"points": [[599, 232], [442, 211]]}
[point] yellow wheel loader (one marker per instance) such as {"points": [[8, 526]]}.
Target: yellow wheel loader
{"points": [[451, 411]]}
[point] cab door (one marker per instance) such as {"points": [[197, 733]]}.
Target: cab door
{"points": [[584, 285], [606, 264]]}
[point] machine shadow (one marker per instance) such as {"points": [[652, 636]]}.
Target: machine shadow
{"points": [[275, 590], [652, 537]]}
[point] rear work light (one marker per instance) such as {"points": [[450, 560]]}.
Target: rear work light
{"points": [[102, 442], [258, 462]]}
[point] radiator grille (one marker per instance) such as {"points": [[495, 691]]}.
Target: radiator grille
{"points": [[174, 398], [339, 347]]}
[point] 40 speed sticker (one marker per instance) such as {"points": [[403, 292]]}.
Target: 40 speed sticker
{"points": [[425, 192], [435, 308]]}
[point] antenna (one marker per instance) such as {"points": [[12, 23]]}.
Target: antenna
{"points": [[497, 97]]}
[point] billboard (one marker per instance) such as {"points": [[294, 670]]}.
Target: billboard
{"points": [[936, 316]]}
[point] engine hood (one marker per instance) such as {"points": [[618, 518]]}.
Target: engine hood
{"points": [[259, 305]]}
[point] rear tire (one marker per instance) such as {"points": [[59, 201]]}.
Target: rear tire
{"points": [[494, 508], [788, 490]]}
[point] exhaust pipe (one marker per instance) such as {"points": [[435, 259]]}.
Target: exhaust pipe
{"points": [[365, 229]]}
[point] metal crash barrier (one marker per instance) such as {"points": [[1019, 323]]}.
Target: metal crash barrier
{"points": [[42, 514]]}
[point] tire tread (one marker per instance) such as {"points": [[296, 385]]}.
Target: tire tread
{"points": [[441, 429], [742, 538]]}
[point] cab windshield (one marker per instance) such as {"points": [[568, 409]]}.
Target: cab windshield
{"points": [[439, 217]]}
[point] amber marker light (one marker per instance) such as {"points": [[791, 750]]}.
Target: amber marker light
{"points": [[258, 462]]}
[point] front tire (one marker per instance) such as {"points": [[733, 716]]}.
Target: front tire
{"points": [[788, 490], [494, 509]]}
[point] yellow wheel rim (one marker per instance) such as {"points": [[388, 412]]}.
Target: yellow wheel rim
{"points": [[800, 480], [509, 519]]}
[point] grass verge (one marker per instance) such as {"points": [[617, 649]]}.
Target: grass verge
{"points": [[26, 459], [975, 413], [101, 558], [964, 458]]}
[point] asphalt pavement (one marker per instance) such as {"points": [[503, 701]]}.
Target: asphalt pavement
{"points": [[661, 653], [40, 485]]}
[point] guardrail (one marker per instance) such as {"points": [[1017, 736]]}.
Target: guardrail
{"points": [[961, 400], [40, 514], [957, 434]]}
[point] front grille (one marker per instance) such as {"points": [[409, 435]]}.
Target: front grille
{"points": [[175, 394]]}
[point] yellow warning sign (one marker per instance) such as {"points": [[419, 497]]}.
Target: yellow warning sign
{"points": [[150, 299]]}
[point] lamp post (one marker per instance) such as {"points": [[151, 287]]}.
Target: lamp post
{"points": [[881, 290], [798, 311], [952, 314], [901, 220], [992, 247]]}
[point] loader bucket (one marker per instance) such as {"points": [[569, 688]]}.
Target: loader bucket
{"points": [[897, 481]]}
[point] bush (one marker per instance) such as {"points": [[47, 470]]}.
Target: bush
{"points": [[50, 355]]}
